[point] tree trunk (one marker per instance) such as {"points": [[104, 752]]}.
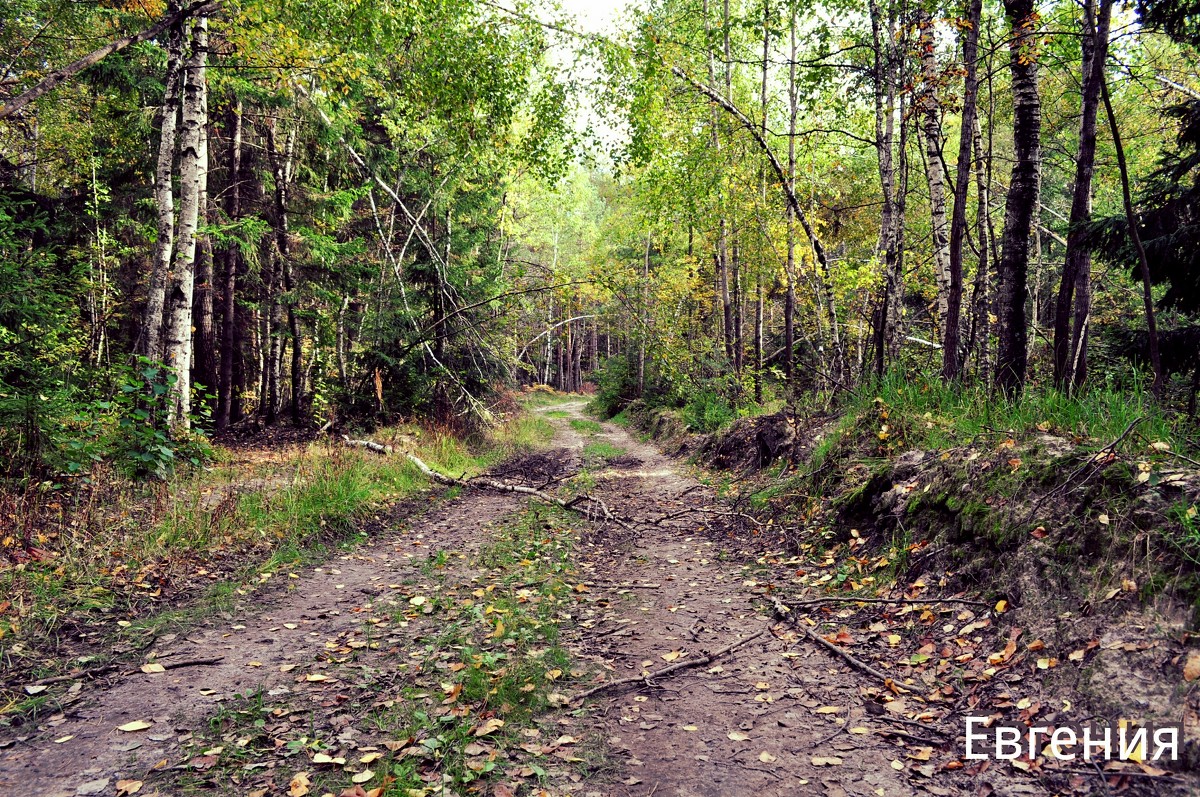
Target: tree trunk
{"points": [[789, 306], [887, 312], [739, 346], [1135, 235], [229, 337], [193, 174], [1074, 291], [951, 344], [150, 340], [205, 366], [981, 328], [1022, 202], [931, 127], [282, 169]]}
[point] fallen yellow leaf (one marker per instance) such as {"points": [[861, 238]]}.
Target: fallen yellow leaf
{"points": [[300, 785], [136, 725]]}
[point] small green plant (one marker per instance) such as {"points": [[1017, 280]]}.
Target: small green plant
{"points": [[707, 411], [584, 426]]}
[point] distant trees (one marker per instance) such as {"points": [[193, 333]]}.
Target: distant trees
{"points": [[903, 86]]}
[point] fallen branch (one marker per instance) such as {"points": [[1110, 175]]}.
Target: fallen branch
{"points": [[572, 505], [175, 665], [1095, 462], [910, 601], [783, 612], [676, 667], [370, 445], [705, 511], [95, 672], [105, 669]]}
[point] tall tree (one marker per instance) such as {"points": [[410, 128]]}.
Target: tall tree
{"points": [[1022, 202], [193, 178], [935, 174], [951, 343], [1075, 289]]}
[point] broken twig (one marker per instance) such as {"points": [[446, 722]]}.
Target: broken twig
{"points": [[785, 613], [676, 667]]}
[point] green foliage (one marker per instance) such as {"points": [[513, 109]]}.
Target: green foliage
{"points": [[707, 411], [927, 413]]}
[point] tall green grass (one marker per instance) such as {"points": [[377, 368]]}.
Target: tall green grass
{"points": [[936, 415], [240, 521]]}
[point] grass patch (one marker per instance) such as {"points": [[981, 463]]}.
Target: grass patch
{"points": [[598, 452], [932, 414], [167, 554], [585, 426]]}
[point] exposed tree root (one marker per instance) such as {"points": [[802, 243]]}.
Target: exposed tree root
{"points": [[676, 667]]}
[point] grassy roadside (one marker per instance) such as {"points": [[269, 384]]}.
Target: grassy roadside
{"points": [[127, 562]]}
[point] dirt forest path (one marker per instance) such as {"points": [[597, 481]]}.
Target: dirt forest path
{"points": [[775, 716], [771, 717]]}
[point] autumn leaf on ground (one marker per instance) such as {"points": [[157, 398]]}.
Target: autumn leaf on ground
{"points": [[672, 656], [738, 736], [128, 787], [136, 725], [1191, 668], [300, 785], [490, 725]]}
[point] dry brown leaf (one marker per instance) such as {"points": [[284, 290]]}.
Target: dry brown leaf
{"points": [[1191, 668], [300, 785], [128, 787], [490, 725]]}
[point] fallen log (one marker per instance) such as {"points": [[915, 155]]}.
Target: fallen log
{"points": [[370, 445], [587, 505]]}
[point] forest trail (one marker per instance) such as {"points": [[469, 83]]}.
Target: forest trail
{"points": [[319, 658]]}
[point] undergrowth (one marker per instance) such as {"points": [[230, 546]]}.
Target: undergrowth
{"points": [[118, 560]]}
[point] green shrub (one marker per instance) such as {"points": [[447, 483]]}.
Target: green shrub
{"points": [[707, 411]]}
